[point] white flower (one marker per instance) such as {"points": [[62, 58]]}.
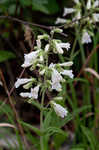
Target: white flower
{"points": [[42, 72], [34, 91], [38, 41], [30, 58], [56, 86], [60, 20], [41, 58], [70, 63], [68, 11], [47, 48], [21, 81], [77, 16], [96, 17], [60, 111], [25, 94], [51, 66], [86, 38], [96, 3], [88, 4], [76, 1], [32, 94], [56, 77], [68, 73], [59, 47]]}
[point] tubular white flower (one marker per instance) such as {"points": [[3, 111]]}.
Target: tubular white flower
{"points": [[56, 86], [60, 21], [70, 63], [51, 66], [60, 111], [41, 58], [96, 17], [86, 38], [21, 81], [42, 72], [30, 58], [25, 94], [78, 15], [96, 3], [76, 1], [38, 41], [47, 48], [59, 47], [88, 4], [68, 11], [67, 73], [34, 91], [56, 76]]}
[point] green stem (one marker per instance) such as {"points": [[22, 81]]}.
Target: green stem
{"points": [[41, 121]]}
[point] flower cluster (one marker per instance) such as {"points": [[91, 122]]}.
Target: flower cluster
{"points": [[78, 14], [50, 73]]}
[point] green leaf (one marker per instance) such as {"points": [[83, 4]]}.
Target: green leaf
{"points": [[77, 149], [26, 2], [51, 130], [47, 119], [90, 137], [36, 130], [45, 6], [5, 55]]}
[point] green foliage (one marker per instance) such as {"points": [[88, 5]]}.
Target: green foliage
{"points": [[46, 6], [90, 137], [6, 55], [36, 130]]}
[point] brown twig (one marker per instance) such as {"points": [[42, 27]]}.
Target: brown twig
{"points": [[14, 110], [87, 61], [25, 22], [30, 23]]}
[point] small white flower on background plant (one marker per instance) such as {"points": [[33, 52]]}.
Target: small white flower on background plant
{"points": [[60, 111], [60, 21], [21, 81], [86, 38], [68, 11], [30, 58]]}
